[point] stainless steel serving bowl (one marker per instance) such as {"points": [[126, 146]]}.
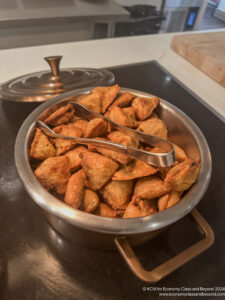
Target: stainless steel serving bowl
{"points": [[95, 231]]}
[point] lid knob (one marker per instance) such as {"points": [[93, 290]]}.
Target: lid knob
{"points": [[54, 62]]}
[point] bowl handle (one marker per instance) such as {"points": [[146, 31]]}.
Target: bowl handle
{"points": [[175, 262]]}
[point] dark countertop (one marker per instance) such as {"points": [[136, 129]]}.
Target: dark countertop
{"points": [[37, 263]]}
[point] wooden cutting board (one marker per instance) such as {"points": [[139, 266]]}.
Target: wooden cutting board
{"points": [[206, 51]]}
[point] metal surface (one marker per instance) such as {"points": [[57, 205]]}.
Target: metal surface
{"points": [[44, 85], [38, 263], [172, 264], [156, 159], [182, 131]]}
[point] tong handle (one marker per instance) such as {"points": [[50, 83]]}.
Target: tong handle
{"points": [[160, 159], [84, 141], [145, 156]]}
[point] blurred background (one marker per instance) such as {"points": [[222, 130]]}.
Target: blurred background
{"points": [[37, 22]]}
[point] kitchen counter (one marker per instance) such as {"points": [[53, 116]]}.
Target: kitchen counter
{"points": [[26, 10], [38, 263], [35, 261], [114, 52]]}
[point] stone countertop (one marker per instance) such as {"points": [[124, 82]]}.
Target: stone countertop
{"points": [[113, 52], [38, 263]]}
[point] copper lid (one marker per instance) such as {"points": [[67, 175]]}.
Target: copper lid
{"points": [[44, 85]]}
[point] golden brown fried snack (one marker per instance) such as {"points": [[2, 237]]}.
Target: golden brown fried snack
{"points": [[98, 169], [74, 157], [180, 155], [120, 157], [117, 193], [174, 198], [91, 201], [183, 175], [54, 173], [94, 148], [134, 169], [92, 101], [63, 115], [154, 126], [117, 115], [168, 200], [123, 139], [75, 190], [150, 188], [123, 100], [41, 147], [82, 124], [157, 150], [129, 111], [108, 94], [70, 129], [163, 202], [138, 208], [144, 107], [105, 211], [96, 127]]}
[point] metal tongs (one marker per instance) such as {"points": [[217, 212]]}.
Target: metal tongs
{"points": [[156, 159]]}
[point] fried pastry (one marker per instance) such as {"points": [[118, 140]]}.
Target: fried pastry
{"points": [[154, 126], [75, 190], [110, 183], [82, 124], [120, 157], [91, 201], [104, 210], [117, 193], [123, 139], [174, 198], [63, 115], [96, 127], [64, 145], [134, 169], [117, 115], [180, 155], [92, 101], [138, 208], [168, 200], [183, 175], [150, 187], [54, 173], [108, 94], [130, 112], [123, 100], [74, 157], [144, 107], [41, 147], [98, 169]]}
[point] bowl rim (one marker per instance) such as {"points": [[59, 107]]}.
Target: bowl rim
{"points": [[118, 226]]}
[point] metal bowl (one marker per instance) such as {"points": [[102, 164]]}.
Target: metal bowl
{"points": [[100, 232]]}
